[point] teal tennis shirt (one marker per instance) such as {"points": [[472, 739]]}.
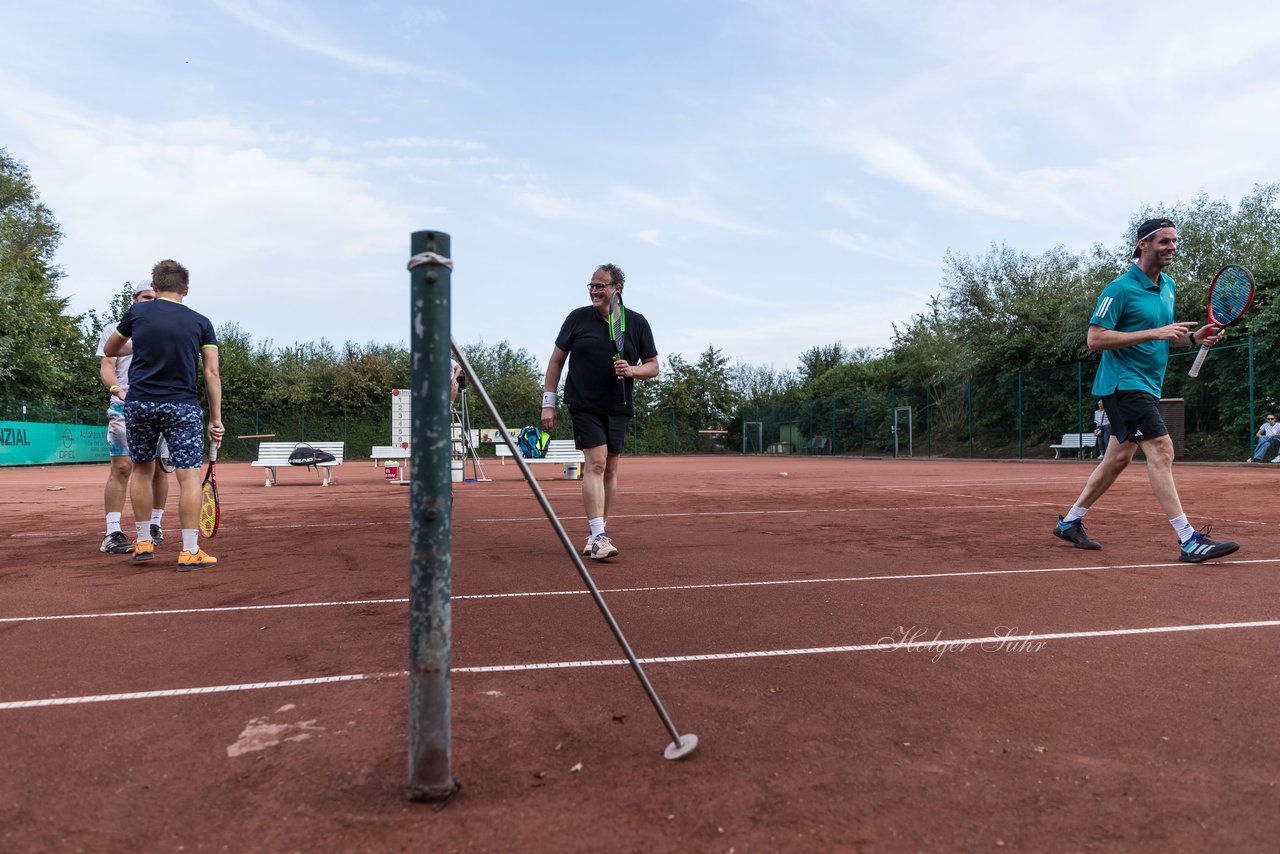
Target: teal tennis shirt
{"points": [[1130, 304]]}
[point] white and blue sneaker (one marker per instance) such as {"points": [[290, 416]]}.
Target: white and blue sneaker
{"points": [[1200, 548]]}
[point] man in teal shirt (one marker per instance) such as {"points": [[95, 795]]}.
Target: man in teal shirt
{"points": [[1133, 326]]}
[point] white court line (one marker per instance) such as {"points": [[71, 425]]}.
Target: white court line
{"points": [[166, 612], [797, 512], [543, 518], [1004, 641], [187, 692], [853, 579], [725, 585]]}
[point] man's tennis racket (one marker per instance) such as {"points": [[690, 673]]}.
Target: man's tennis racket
{"points": [[210, 509], [618, 334], [1230, 295]]}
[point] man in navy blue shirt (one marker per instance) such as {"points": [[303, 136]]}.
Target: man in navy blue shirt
{"points": [[169, 343], [598, 393]]}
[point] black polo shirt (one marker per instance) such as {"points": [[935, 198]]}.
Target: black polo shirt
{"points": [[592, 386]]}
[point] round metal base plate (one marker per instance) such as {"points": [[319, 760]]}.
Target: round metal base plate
{"points": [[687, 744]]}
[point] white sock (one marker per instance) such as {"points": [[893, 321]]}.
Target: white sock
{"points": [[1076, 512], [156, 515], [597, 526], [144, 531], [190, 540], [113, 523], [1182, 527]]}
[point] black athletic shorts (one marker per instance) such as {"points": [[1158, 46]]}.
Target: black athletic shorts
{"points": [[1134, 416], [592, 431]]}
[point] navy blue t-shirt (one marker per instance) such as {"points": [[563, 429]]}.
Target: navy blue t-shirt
{"points": [[167, 340], [592, 385]]}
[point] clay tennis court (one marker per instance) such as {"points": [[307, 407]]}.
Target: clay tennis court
{"points": [[1047, 698]]}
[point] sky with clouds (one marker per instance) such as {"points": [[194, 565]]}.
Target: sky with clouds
{"points": [[772, 175]]}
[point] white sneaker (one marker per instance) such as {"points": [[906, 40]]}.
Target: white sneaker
{"points": [[586, 550], [602, 547], [1275, 459]]}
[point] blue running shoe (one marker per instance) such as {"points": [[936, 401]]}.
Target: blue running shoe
{"points": [[1200, 548], [1073, 532]]}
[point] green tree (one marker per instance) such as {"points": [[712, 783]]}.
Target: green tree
{"points": [[512, 380], [41, 348], [816, 361], [369, 372], [762, 385], [247, 370]]}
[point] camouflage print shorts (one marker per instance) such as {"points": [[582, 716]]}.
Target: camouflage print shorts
{"points": [[118, 436], [181, 425]]}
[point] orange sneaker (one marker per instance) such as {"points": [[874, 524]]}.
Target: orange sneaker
{"points": [[201, 559], [143, 550]]}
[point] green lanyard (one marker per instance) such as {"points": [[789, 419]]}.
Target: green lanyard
{"points": [[622, 323]]}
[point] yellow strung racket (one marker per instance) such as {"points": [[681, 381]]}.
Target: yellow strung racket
{"points": [[210, 509]]}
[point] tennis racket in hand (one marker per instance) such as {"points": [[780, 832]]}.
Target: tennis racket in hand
{"points": [[1230, 295], [618, 334], [210, 509]]}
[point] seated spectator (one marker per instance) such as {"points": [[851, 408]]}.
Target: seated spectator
{"points": [[1268, 442]]}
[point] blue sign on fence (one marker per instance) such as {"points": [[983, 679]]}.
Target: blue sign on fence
{"points": [[25, 443]]}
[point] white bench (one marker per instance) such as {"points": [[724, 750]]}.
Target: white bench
{"points": [[558, 451], [392, 452], [1084, 444], [388, 452], [276, 454]]}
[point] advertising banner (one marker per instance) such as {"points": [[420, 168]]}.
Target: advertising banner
{"points": [[24, 443]]}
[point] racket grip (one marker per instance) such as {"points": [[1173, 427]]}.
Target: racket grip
{"points": [[1195, 366], [213, 451]]}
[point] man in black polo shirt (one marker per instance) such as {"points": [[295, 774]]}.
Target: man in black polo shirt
{"points": [[599, 404]]}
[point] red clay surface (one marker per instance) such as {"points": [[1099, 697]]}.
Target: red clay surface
{"points": [[1145, 721]]}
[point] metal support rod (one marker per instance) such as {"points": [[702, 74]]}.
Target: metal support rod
{"points": [[681, 745], [430, 521]]}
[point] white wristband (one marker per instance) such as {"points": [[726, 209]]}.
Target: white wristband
{"points": [[548, 400]]}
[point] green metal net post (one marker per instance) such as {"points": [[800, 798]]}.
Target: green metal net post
{"points": [[1080, 397], [969, 410], [430, 520], [1253, 414], [1020, 413]]}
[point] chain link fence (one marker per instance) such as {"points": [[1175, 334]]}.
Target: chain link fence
{"points": [[1019, 414], [1016, 414]]}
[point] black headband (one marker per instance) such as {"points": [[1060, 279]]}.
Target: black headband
{"points": [[1151, 226]]}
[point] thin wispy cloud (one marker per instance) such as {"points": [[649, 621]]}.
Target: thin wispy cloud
{"points": [[290, 22], [889, 158], [862, 243], [690, 206]]}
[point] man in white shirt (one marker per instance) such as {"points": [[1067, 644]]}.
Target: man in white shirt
{"points": [[114, 371]]}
